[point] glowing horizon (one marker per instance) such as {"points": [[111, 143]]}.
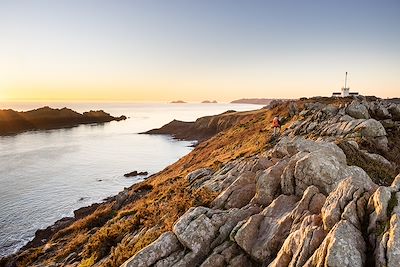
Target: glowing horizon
{"points": [[136, 51]]}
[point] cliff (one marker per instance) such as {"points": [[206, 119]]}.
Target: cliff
{"points": [[323, 193], [201, 129], [13, 122]]}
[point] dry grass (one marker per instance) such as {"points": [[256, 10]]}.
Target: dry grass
{"points": [[87, 262], [157, 213], [96, 219], [100, 243], [29, 256], [75, 244]]}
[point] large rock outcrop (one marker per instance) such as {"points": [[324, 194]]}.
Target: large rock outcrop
{"points": [[166, 246], [343, 246], [263, 234], [357, 110], [268, 183], [359, 119], [305, 207], [384, 225], [194, 236]]}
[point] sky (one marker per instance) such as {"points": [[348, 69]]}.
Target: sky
{"points": [[147, 50]]}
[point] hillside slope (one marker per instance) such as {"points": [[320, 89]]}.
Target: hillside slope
{"points": [[322, 194]]}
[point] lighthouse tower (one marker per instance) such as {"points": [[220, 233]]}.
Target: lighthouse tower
{"points": [[345, 89]]}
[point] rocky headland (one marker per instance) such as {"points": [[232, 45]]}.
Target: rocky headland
{"points": [[201, 129], [45, 118], [323, 193], [255, 101]]}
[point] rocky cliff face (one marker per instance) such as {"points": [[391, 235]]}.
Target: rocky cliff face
{"points": [[324, 193]]}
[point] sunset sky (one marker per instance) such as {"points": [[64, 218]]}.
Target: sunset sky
{"points": [[145, 50]]}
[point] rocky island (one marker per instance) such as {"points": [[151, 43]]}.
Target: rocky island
{"points": [[13, 122], [135, 173], [325, 192]]}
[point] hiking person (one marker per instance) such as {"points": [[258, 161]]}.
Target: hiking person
{"points": [[276, 124]]}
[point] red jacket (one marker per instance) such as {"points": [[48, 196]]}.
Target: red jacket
{"points": [[275, 122]]}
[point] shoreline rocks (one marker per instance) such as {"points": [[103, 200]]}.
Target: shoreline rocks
{"points": [[135, 173]]}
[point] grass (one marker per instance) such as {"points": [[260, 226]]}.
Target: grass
{"points": [[100, 243], [87, 262], [76, 242], [96, 219]]}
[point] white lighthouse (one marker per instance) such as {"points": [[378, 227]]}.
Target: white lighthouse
{"points": [[345, 91]]}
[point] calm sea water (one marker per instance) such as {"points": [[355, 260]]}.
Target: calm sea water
{"points": [[46, 175]]}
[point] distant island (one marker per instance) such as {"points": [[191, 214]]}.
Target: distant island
{"points": [[256, 101], [178, 102], [209, 102], [13, 122]]}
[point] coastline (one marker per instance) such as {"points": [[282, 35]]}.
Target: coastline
{"points": [[64, 221], [43, 235], [219, 177]]}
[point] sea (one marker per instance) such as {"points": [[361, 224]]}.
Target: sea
{"points": [[46, 175]]}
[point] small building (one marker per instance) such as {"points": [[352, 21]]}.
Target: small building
{"points": [[345, 91]]}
